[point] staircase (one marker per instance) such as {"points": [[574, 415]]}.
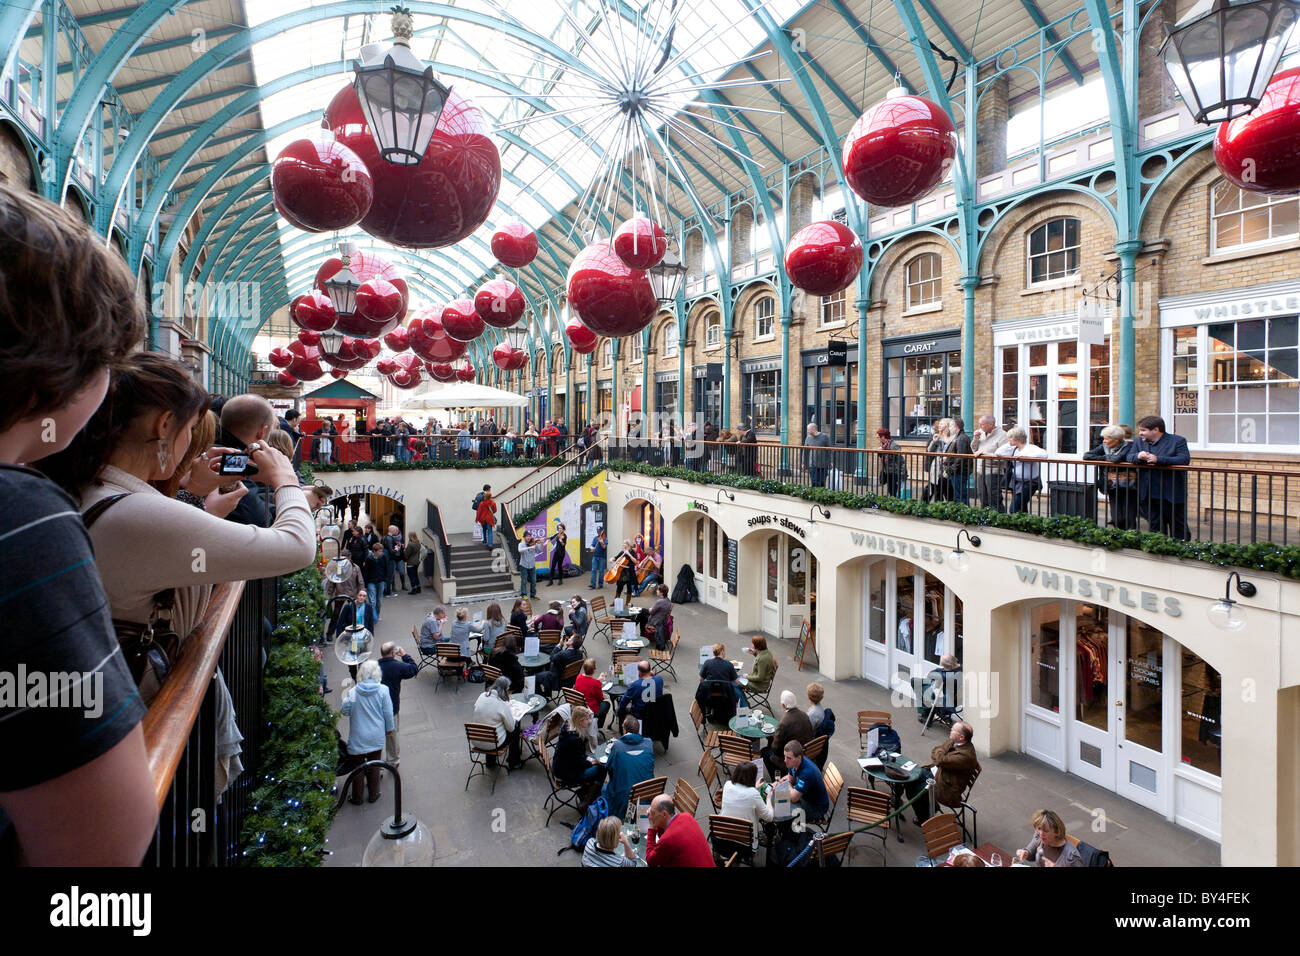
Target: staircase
{"points": [[476, 577]]}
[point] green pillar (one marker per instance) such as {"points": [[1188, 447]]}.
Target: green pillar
{"points": [[1128, 252], [785, 389], [968, 285]]}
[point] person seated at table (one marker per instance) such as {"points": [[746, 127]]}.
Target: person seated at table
{"points": [[795, 727], [460, 631], [593, 689], [953, 762], [431, 629], [493, 708], [602, 849], [719, 668], [573, 762], [631, 760], [807, 788], [940, 684], [519, 615], [579, 617], [658, 618], [741, 799], [494, 625], [552, 619], [641, 692], [675, 839], [566, 652], [1049, 846], [507, 661], [649, 572], [764, 670]]}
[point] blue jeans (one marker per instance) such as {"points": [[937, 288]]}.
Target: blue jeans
{"points": [[487, 533], [650, 581], [528, 582], [375, 591], [597, 572], [960, 488]]}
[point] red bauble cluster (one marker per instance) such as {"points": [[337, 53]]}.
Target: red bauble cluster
{"points": [[320, 185], [429, 340], [499, 303], [1261, 150], [581, 339], [442, 199], [607, 296], [508, 358], [300, 362], [406, 371], [514, 245], [466, 372], [640, 243], [899, 150], [442, 371], [353, 353], [824, 257], [460, 320], [381, 297]]}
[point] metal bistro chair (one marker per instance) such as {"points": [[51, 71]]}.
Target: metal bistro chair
{"points": [[731, 835], [490, 674], [871, 808], [574, 698], [685, 797], [547, 640], [562, 794], [450, 664], [661, 661], [837, 845], [571, 670], [946, 705], [941, 834], [482, 740], [971, 834], [709, 771], [707, 736], [815, 750], [602, 619], [834, 784], [759, 697], [736, 750], [644, 792]]}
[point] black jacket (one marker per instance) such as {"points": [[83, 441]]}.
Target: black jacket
{"points": [[395, 672], [560, 660], [510, 667], [958, 467], [570, 759], [375, 570], [685, 592], [660, 720]]}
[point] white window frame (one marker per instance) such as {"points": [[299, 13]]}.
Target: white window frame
{"points": [[829, 300], [607, 354], [1067, 277], [1267, 201], [712, 320], [759, 334], [915, 302], [637, 350], [671, 339]]}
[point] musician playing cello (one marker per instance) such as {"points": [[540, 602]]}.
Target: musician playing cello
{"points": [[623, 570]]}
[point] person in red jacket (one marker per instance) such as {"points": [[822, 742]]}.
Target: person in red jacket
{"points": [[675, 839], [486, 516]]}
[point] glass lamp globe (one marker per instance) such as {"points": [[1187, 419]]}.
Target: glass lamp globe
{"points": [[330, 547], [1227, 615], [961, 560], [354, 645], [814, 530], [413, 848]]}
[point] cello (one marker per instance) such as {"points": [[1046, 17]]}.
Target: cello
{"points": [[645, 568], [621, 562]]}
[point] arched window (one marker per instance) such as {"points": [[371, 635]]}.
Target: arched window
{"points": [[712, 329], [764, 317], [607, 354], [1054, 250], [670, 339], [924, 277]]}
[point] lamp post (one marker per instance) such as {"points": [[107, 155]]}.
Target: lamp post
{"points": [[1222, 55], [401, 840], [401, 97]]}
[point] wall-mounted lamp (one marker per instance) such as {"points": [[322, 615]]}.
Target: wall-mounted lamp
{"points": [[960, 558], [717, 501], [1225, 614], [660, 481], [814, 530], [618, 475]]}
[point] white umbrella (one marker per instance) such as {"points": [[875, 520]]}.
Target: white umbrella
{"points": [[464, 395]]}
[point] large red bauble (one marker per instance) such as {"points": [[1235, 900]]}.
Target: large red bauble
{"points": [[430, 341], [610, 298], [581, 339], [385, 366], [308, 337], [442, 372], [519, 358], [404, 378], [353, 353], [514, 245], [899, 150], [304, 361], [379, 301], [313, 311], [284, 378], [499, 303], [281, 357], [503, 356], [339, 373], [640, 243], [365, 266], [397, 340], [466, 372], [1261, 150], [443, 198], [461, 321], [320, 185], [823, 258], [446, 349]]}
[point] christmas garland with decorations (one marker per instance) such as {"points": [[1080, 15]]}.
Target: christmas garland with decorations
{"points": [[1262, 556], [293, 803]]}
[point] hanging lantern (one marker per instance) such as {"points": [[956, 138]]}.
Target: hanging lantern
{"points": [[401, 96], [1222, 55], [342, 286], [517, 336], [640, 242], [514, 245], [823, 258], [1261, 150], [899, 150], [666, 277], [373, 314]]}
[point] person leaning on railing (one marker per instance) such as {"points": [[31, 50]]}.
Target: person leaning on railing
{"points": [[75, 786], [1119, 485], [159, 557], [1024, 477]]}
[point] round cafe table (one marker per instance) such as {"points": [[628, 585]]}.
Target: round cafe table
{"points": [[535, 702], [534, 662], [637, 841], [898, 788], [755, 731], [630, 643]]}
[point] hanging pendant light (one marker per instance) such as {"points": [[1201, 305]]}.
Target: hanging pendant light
{"points": [[517, 335], [401, 96], [667, 277], [1222, 55], [342, 288]]}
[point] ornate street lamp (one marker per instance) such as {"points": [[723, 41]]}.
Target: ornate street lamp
{"points": [[517, 335], [400, 95], [667, 277], [342, 288], [1222, 55]]}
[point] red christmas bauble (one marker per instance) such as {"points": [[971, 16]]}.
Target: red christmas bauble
{"points": [[313, 311], [640, 243], [823, 258], [466, 372], [1261, 150], [386, 366], [499, 303], [305, 361], [514, 245], [339, 373], [280, 357], [397, 340], [899, 150], [519, 358], [406, 378], [460, 320], [442, 371], [611, 299], [308, 337], [365, 266], [284, 378], [442, 199], [353, 353], [380, 301], [320, 185], [581, 339], [503, 356]]}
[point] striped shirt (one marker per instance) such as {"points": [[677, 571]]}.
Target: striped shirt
{"points": [[592, 855]]}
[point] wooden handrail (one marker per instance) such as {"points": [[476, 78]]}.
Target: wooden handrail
{"points": [[569, 456], [171, 715], [582, 452]]}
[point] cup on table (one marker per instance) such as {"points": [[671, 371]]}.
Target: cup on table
{"points": [[995, 859]]}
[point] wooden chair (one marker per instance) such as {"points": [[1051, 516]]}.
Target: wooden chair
{"points": [[706, 735], [837, 845], [575, 699], [428, 652], [1075, 842], [868, 718], [815, 750], [971, 834], [625, 657], [500, 642], [735, 750], [547, 640], [731, 835], [450, 664], [941, 834], [562, 794], [709, 771], [685, 798], [732, 861], [661, 661], [602, 619], [490, 674], [482, 740], [644, 792], [834, 784], [871, 808]]}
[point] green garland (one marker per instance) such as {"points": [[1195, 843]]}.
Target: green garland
{"points": [[293, 804], [426, 465], [1262, 556], [528, 514]]}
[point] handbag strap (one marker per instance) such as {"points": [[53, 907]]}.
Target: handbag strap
{"points": [[164, 600]]}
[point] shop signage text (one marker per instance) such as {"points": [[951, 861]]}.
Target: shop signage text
{"points": [[777, 522], [697, 506], [905, 549], [371, 490], [911, 348], [1101, 590], [632, 493], [1067, 331], [1276, 305]]}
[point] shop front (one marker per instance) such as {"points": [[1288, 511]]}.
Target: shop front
{"points": [[708, 556], [912, 620], [582, 407], [829, 393], [760, 394], [789, 574], [707, 383], [667, 402], [605, 402], [921, 384]]}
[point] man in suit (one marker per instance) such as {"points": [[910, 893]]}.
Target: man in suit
{"points": [[954, 762], [1162, 493]]}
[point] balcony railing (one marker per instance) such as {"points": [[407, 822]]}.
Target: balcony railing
{"points": [[1209, 504], [356, 449]]}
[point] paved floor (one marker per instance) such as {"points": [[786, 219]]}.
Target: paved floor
{"points": [[481, 828]]}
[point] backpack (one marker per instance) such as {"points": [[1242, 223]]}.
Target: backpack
{"points": [[478, 500], [827, 726], [1091, 856], [474, 674], [887, 739], [585, 828]]}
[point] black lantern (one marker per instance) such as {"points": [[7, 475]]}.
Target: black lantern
{"points": [[342, 288], [517, 335], [667, 277], [1222, 55], [331, 342], [400, 96]]}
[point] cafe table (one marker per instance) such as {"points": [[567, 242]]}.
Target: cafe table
{"points": [[630, 643], [638, 841], [534, 702], [757, 729], [898, 787], [534, 662]]}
